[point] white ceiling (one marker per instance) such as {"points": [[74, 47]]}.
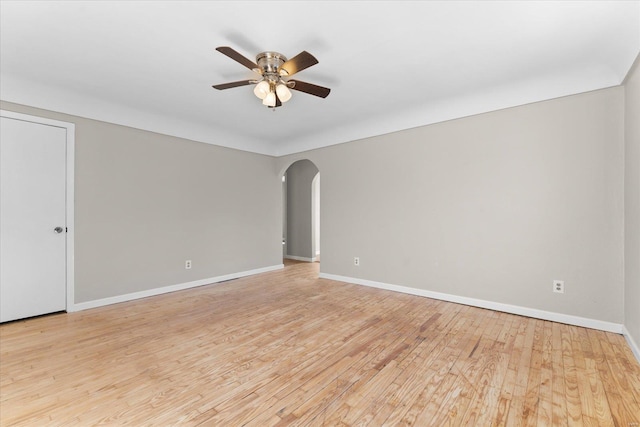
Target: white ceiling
{"points": [[390, 65]]}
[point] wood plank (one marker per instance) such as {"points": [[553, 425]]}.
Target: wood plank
{"points": [[571, 373], [514, 345], [559, 415], [516, 415], [545, 403], [624, 412]]}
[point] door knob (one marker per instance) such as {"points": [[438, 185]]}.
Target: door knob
{"points": [[58, 230]]}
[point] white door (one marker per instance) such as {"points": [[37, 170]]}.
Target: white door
{"points": [[32, 219]]}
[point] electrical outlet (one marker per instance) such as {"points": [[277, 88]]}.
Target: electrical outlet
{"points": [[558, 286], [187, 264], [356, 261]]}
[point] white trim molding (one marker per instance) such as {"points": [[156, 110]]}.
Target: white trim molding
{"points": [[634, 346], [69, 190], [300, 258], [171, 288], [507, 308]]}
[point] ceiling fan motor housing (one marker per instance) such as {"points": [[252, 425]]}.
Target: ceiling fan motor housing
{"points": [[269, 62]]}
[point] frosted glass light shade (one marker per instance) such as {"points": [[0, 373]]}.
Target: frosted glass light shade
{"points": [[269, 100], [261, 90], [284, 94]]}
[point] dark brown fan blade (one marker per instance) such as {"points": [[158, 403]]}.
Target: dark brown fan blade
{"points": [[310, 88], [231, 53], [298, 63], [233, 84], [278, 102]]}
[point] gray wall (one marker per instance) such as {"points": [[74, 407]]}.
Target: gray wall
{"points": [[493, 207], [632, 202], [299, 209], [147, 202]]}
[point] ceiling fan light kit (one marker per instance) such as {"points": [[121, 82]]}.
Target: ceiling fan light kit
{"points": [[283, 92], [262, 89], [274, 69]]}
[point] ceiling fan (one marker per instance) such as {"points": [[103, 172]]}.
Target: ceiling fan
{"points": [[275, 69]]}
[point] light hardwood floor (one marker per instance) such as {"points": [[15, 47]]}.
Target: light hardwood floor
{"points": [[286, 348]]}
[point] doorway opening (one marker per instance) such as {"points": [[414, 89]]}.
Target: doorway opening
{"points": [[301, 212]]}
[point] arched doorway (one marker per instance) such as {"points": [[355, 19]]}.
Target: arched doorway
{"points": [[301, 212]]}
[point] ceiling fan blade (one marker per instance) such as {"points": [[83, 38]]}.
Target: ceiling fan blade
{"points": [[310, 88], [298, 63], [233, 84], [238, 57], [278, 102]]}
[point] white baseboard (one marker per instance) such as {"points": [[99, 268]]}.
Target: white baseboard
{"points": [[507, 308], [166, 289], [634, 346], [300, 258]]}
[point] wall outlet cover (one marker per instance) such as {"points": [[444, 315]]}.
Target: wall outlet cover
{"points": [[558, 286]]}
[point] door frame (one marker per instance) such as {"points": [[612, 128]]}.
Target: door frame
{"points": [[69, 194]]}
